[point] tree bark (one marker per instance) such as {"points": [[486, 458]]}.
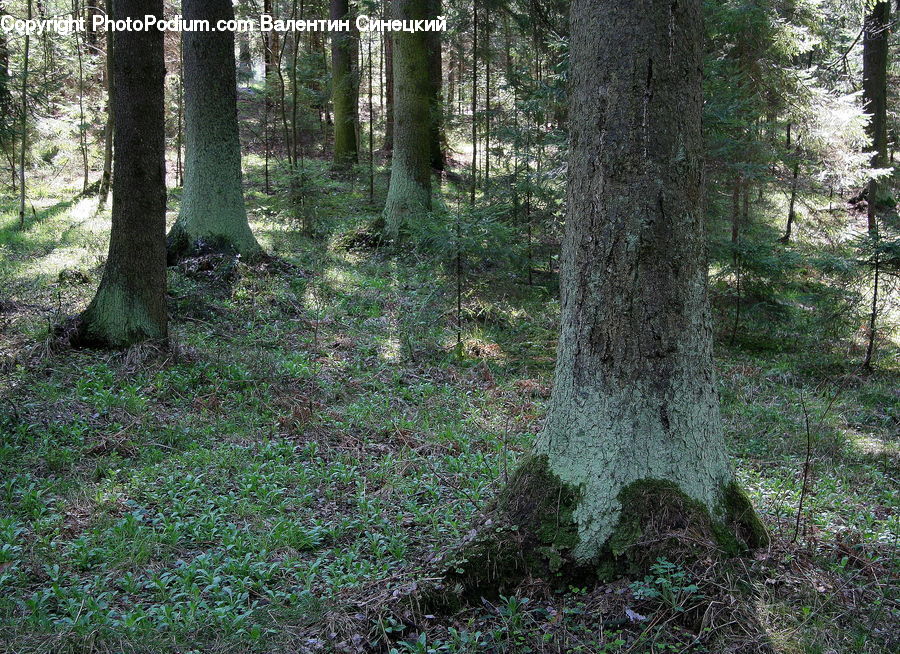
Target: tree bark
{"points": [[130, 304], [345, 88], [109, 130], [792, 212], [388, 86], [409, 192], [5, 95], [875, 57], [435, 72], [213, 215], [23, 123], [633, 440]]}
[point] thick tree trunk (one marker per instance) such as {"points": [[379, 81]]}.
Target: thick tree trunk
{"points": [[409, 193], [130, 304], [875, 58], [345, 88], [633, 440], [213, 215]]}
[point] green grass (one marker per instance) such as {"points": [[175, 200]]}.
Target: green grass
{"points": [[311, 441]]}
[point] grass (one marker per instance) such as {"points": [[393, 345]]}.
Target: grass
{"points": [[312, 440]]}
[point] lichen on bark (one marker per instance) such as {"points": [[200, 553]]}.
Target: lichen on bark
{"points": [[409, 192], [213, 215], [531, 530]]}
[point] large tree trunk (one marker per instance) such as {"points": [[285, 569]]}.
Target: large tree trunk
{"points": [[213, 215], [345, 87], [130, 304], [409, 193], [875, 58], [633, 440]]}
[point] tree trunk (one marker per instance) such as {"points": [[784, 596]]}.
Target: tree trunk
{"points": [[345, 88], [130, 304], [875, 58], [388, 86], [792, 212], [5, 95], [633, 443], [109, 130], [6, 107], [474, 168], [409, 193], [213, 215], [82, 124], [23, 124], [92, 9], [435, 72]]}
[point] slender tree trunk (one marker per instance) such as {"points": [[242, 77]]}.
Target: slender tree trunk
{"points": [[875, 59], [435, 71], [474, 183], [371, 125], [487, 101], [92, 9], [409, 193], [213, 214], [873, 315], [6, 108], [82, 125], [295, 93], [23, 123], [179, 136], [130, 304], [632, 451], [345, 88], [792, 213], [388, 84], [109, 130]]}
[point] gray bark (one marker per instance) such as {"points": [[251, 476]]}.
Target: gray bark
{"points": [[409, 193], [633, 437], [213, 214]]}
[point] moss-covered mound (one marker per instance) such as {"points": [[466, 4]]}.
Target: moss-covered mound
{"points": [[530, 531]]}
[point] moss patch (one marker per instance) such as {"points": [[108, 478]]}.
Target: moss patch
{"points": [[741, 518], [529, 530], [658, 517]]}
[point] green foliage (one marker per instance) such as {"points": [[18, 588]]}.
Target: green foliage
{"points": [[669, 584]]}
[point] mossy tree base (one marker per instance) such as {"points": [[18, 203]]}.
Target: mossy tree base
{"points": [[118, 318], [530, 531], [181, 245]]}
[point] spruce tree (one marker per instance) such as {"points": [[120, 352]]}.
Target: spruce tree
{"points": [[213, 215], [130, 304]]}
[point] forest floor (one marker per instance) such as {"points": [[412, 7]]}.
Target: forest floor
{"points": [[280, 478]]}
